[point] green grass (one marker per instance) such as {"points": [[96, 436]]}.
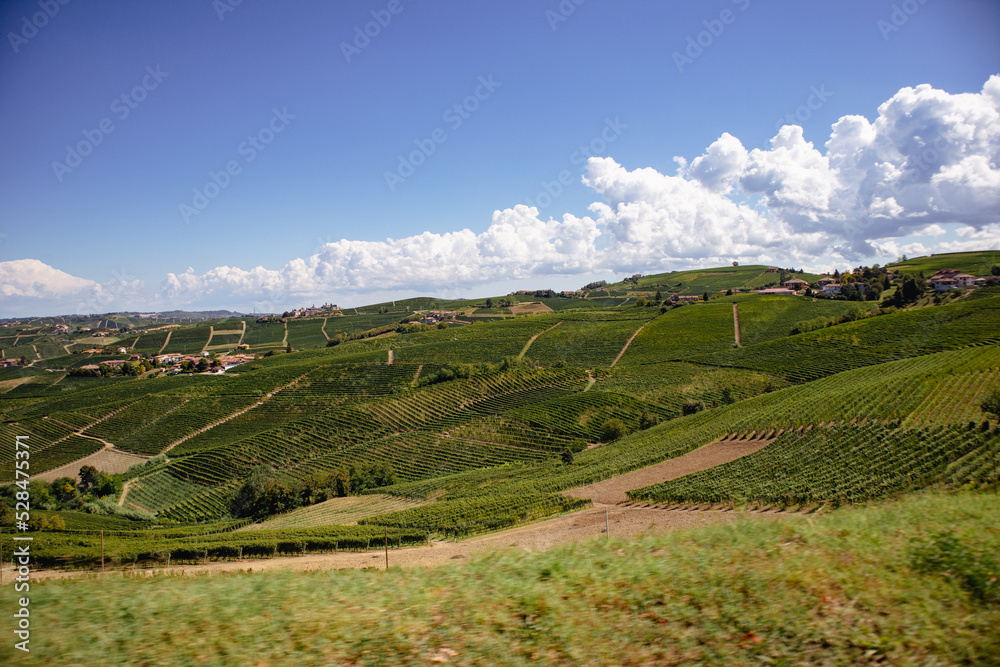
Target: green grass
{"points": [[975, 263], [890, 584]]}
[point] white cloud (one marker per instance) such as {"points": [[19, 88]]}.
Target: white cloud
{"points": [[721, 165], [517, 244], [35, 279], [929, 161]]}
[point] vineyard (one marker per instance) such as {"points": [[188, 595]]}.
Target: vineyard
{"points": [[188, 340], [837, 465], [483, 426]]}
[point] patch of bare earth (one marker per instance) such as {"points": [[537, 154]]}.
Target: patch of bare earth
{"points": [[612, 491], [105, 460], [530, 307]]}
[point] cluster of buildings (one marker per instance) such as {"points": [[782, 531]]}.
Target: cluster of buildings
{"points": [[941, 281], [312, 311], [435, 316], [948, 279], [826, 285], [176, 360]]}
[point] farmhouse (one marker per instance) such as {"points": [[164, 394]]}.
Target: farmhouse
{"points": [[169, 358], [795, 284], [823, 282], [831, 288], [778, 290]]}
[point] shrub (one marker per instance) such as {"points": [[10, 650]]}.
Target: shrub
{"points": [[691, 407], [613, 429]]}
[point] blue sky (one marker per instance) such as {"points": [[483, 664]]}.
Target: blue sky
{"points": [[441, 127]]}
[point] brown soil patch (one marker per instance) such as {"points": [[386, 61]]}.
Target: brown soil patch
{"points": [[7, 385], [530, 307], [105, 460], [612, 491]]}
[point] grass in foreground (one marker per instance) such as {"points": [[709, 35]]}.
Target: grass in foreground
{"points": [[911, 582]]}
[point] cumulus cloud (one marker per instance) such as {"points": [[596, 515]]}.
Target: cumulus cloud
{"points": [[517, 244], [27, 285], [930, 159], [35, 279]]}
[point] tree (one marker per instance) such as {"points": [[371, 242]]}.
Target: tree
{"points": [[704, 297], [991, 404], [736, 263], [106, 484], [648, 420], [566, 455], [321, 486], [266, 492], [203, 365], [489, 303], [659, 297], [88, 477], [371, 475], [64, 490], [995, 270], [729, 292], [691, 407], [613, 429]]}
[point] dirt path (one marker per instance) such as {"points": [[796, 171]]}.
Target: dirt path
{"points": [[587, 524], [284, 340], [234, 415], [125, 487], [165, 342], [627, 343], [322, 329], [532, 339], [243, 332], [390, 357], [612, 491]]}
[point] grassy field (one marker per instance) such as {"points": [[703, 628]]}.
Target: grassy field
{"points": [[911, 582]]}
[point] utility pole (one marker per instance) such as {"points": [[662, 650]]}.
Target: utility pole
{"points": [[102, 552], [386, 547], [607, 528]]}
